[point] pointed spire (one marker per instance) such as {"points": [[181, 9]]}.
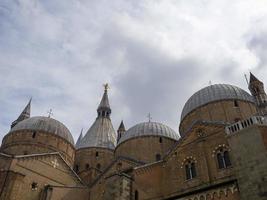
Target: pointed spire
{"points": [[26, 113], [253, 78], [121, 130], [121, 127], [104, 109], [79, 138]]}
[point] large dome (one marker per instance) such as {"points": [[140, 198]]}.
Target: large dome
{"points": [[214, 93], [149, 129], [45, 124]]}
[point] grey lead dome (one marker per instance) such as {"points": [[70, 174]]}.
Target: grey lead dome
{"points": [[149, 129], [214, 93], [45, 124], [101, 134]]}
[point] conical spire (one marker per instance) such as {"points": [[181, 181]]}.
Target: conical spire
{"points": [[253, 78], [103, 109], [79, 138], [101, 133], [121, 130], [121, 127], [26, 113]]}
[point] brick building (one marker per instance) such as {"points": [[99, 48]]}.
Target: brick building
{"points": [[220, 153]]}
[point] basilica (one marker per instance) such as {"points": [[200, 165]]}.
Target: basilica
{"points": [[219, 153]]}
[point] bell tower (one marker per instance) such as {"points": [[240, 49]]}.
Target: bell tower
{"points": [[256, 88]]}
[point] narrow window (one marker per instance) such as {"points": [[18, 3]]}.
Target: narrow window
{"points": [[190, 170], [193, 170], [136, 195], [220, 161], [34, 134], [158, 157], [187, 171], [236, 103], [160, 140], [34, 186], [76, 168], [96, 154], [223, 159], [87, 166], [227, 159]]}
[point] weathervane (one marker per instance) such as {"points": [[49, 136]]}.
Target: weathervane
{"points": [[106, 86], [149, 117], [50, 113]]}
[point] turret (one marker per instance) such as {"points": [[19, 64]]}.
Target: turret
{"points": [[95, 150], [79, 139], [104, 109], [26, 113], [256, 88], [121, 130]]}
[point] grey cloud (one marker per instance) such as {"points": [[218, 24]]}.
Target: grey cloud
{"points": [[61, 52], [258, 44]]}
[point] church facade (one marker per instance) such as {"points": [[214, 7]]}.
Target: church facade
{"points": [[220, 153]]}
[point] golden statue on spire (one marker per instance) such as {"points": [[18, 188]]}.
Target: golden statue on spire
{"points": [[106, 86]]}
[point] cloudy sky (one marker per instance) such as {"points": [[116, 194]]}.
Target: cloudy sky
{"points": [[154, 54]]}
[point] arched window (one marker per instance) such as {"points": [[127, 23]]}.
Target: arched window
{"points": [[160, 140], [34, 134], [136, 195], [158, 157], [223, 158], [96, 154], [190, 170]]}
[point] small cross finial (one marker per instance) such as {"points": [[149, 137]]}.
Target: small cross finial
{"points": [[149, 117], [106, 86], [50, 113]]}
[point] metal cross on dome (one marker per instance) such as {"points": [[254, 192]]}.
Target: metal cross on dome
{"points": [[149, 117], [50, 113], [55, 163]]}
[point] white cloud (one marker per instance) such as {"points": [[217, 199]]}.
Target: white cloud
{"points": [[155, 54]]}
